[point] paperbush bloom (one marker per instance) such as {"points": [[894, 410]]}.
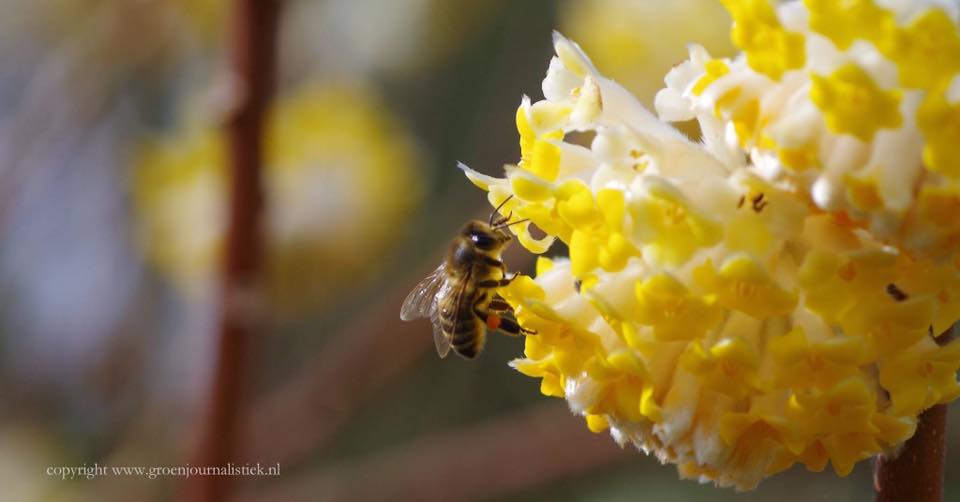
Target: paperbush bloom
{"points": [[770, 295]]}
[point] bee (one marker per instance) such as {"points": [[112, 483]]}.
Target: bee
{"points": [[460, 296]]}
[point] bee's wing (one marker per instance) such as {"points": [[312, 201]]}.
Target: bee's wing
{"points": [[440, 338], [420, 302], [454, 296]]}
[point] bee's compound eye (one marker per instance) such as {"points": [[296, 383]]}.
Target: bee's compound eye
{"points": [[483, 240]]}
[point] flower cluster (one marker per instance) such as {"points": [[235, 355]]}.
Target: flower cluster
{"points": [[769, 295], [853, 103]]}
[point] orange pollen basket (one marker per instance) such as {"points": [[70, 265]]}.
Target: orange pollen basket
{"points": [[493, 321]]}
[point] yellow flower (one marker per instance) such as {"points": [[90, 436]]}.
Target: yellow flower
{"points": [[206, 16], [837, 284], [730, 367], [802, 363], [770, 49], [853, 104], [933, 366], [334, 162], [742, 284], [939, 119], [935, 219], [927, 50], [673, 227], [845, 22], [838, 420], [665, 304], [730, 316], [714, 69]]}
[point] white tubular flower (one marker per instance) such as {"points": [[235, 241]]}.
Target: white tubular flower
{"points": [[736, 306]]}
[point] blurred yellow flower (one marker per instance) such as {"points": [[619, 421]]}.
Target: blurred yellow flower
{"points": [[754, 300], [206, 17], [335, 158], [636, 42]]}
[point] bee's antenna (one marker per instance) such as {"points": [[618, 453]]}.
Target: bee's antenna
{"points": [[505, 224], [497, 210]]}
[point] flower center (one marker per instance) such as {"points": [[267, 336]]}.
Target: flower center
{"points": [[675, 214], [745, 289]]}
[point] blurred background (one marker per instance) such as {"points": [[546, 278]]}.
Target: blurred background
{"points": [[112, 218]]}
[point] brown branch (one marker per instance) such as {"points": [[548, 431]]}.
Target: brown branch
{"points": [[253, 59], [916, 472], [483, 461]]}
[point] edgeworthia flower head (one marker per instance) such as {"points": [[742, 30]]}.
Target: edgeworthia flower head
{"points": [[769, 295]]}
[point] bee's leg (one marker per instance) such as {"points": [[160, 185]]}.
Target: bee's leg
{"points": [[493, 262], [510, 327], [498, 304], [494, 283], [491, 319], [495, 321]]}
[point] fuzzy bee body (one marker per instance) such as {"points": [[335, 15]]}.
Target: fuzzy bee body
{"points": [[466, 266], [460, 297], [461, 326]]}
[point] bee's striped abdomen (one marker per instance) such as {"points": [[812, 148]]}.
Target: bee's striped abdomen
{"points": [[463, 328], [471, 343]]}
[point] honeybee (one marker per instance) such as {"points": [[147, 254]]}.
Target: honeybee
{"points": [[460, 296]]}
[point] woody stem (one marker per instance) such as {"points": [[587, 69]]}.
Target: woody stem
{"points": [[253, 40], [916, 472]]}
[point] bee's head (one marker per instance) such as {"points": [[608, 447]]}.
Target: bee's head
{"points": [[484, 236]]}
